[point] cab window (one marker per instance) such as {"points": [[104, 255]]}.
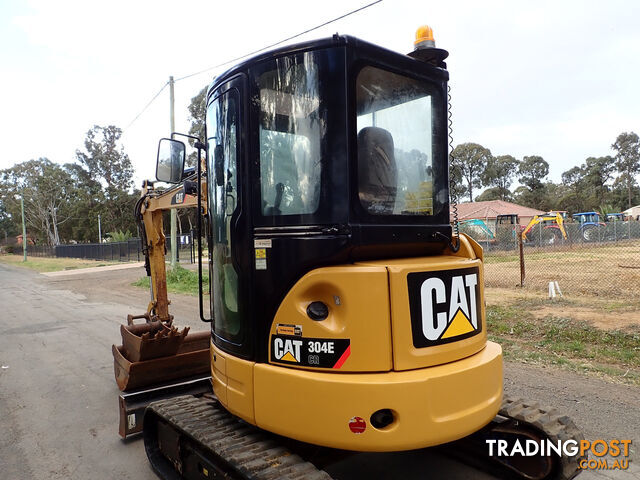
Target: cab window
{"points": [[395, 143], [292, 129]]}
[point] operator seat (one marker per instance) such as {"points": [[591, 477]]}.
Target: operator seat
{"points": [[377, 171]]}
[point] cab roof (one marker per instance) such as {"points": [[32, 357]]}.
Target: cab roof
{"points": [[334, 41]]}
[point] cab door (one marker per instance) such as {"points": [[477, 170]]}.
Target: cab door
{"points": [[227, 274]]}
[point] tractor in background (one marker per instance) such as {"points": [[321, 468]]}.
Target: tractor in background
{"points": [[591, 227]]}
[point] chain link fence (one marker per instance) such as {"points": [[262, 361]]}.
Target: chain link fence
{"points": [[128, 251], [584, 259]]}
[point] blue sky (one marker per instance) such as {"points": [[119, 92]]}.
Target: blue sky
{"points": [[556, 79]]}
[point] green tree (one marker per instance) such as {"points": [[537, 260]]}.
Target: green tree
{"points": [[574, 198], [47, 189], [552, 194], [197, 112], [619, 195], [106, 174], [597, 173], [627, 147], [499, 174], [531, 173], [587, 186], [119, 236], [457, 188], [8, 224], [105, 160], [495, 193], [469, 161]]}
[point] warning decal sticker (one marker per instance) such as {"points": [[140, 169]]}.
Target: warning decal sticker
{"points": [[310, 352], [445, 306], [286, 329]]}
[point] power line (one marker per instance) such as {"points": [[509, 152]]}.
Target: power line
{"points": [[147, 106], [252, 53], [279, 42]]}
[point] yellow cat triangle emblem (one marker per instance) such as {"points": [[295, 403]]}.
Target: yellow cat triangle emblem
{"points": [[288, 358], [458, 326]]}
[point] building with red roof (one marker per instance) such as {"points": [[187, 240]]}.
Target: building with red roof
{"points": [[489, 210]]}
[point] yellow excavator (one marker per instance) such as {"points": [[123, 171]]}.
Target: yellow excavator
{"points": [[345, 312], [551, 228]]}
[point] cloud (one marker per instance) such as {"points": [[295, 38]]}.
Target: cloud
{"points": [[551, 78]]}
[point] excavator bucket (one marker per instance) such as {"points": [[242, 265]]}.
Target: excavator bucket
{"points": [[157, 361], [151, 340], [155, 353]]}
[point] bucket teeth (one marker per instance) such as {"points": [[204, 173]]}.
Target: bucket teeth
{"points": [[151, 340]]}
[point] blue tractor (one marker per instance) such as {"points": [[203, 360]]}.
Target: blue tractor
{"points": [[591, 228]]}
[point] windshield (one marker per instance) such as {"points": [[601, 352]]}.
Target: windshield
{"points": [[395, 122]]}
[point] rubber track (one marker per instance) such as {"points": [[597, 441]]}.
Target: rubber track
{"points": [[257, 455], [254, 454], [555, 427]]}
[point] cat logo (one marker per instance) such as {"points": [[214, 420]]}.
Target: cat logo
{"points": [[287, 350], [178, 198], [444, 306]]}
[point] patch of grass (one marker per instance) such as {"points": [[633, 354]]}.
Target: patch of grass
{"points": [[565, 342], [615, 305], [46, 264], [179, 280], [494, 258]]}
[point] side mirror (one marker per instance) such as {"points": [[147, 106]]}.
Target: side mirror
{"points": [[218, 165], [170, 164]]}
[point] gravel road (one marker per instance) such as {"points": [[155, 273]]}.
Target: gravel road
{"points": [[58, 398]]}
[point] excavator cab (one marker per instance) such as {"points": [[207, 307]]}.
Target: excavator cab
{"points": [[318, 154], [344, 312]]}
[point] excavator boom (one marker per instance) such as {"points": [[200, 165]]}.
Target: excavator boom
{"points": [[156, 359]]}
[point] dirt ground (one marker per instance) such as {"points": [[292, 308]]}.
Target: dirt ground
{"points": [[114, 286], [603, 313], [58, 398]]}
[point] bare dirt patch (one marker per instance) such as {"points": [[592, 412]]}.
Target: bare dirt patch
{"points": [[595, 317], [603, 313]]}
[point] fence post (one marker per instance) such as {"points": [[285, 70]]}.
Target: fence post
{"points": [[191, 255], [539, 234], [599, 234], [521, 248]]}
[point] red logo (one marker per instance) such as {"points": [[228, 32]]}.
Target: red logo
{"points": [[357, 425]]}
